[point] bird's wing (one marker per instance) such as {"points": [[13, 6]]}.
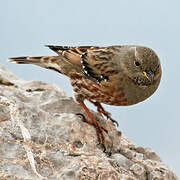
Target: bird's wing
{"points": [[72, 54], [100, 63], [96, 63]]}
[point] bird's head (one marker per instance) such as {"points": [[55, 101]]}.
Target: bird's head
{"points": [[142, 66]]}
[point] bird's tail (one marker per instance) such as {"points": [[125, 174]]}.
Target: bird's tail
{"points": [[49, 62], [25, 60]]}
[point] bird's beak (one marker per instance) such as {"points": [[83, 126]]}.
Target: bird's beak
{"points": [[149, 75]]}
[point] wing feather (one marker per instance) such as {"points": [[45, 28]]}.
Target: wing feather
{"points": [[97, 63]]}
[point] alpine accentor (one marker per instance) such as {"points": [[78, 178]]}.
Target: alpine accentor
{"points": [[114, 75]]}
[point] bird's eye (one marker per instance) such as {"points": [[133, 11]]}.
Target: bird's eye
{"points": [[137, 63]]}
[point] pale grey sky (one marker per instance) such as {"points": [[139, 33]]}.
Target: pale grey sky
{"points": [[25, 26]]}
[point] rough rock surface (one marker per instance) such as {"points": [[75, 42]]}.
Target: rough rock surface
{"points": [[41, 137]]}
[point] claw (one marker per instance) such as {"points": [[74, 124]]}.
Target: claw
{"points": [[81, 115], [115, 122], [104, 148]]}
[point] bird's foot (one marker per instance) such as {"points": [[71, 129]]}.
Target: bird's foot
{"points": [[95, 123], [101, 110], [90, 122]]}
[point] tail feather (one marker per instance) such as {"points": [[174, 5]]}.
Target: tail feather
{"points": [[26, 60], [67, 61], [49, 62]]}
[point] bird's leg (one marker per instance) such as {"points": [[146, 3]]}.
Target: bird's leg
{"points": [[90, 122], [94, 122], [101, 110]]}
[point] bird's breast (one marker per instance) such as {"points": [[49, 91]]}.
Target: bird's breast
{"points": [[104, 92]]}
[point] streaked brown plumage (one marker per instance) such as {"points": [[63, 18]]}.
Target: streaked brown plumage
{"points": [[114, 75]]}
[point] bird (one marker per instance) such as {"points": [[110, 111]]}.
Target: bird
{"points": [[119, 75]]}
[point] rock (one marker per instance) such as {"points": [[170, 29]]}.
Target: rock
{"points": [[42, 137]]}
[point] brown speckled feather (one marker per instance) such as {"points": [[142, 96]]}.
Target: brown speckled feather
{"points": [[94, 62]]}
